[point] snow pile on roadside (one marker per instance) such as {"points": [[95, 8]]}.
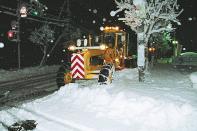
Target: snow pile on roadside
{"points": [[193, 78], [10, 75], [120, 106], [132, 110]]}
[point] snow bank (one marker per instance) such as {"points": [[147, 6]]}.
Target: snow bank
{"points": [[10, 75], [121, 106], [193, 78], [132, 110], [99, 108]]}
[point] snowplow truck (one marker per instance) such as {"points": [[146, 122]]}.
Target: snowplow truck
{"points": [[95, 60]]}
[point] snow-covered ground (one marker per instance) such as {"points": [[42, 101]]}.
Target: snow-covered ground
{"points": [[26, 72], [163, 103], [193, 78]]}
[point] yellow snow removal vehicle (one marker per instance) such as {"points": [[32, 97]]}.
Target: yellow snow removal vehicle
{"points": [[95, 60]]}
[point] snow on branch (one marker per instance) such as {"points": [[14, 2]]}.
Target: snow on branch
{"points": [[42, 36], [149, 14], [161, 30]]}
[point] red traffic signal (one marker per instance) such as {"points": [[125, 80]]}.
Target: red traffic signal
{"points": [[12, 35]]}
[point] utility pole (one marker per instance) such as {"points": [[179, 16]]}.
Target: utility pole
{"points": [[66, 25], [18, 33]]}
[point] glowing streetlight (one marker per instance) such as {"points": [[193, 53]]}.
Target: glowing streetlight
{"points": [[1, 45], [101, 28], [174, 42], [151, 49]]}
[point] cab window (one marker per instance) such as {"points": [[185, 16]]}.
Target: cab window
{"points": [[96, 60]]}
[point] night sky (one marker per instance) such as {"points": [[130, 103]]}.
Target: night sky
{"points": [[85, 12], [187, 32]]}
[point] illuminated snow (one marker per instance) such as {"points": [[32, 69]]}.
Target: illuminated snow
{"points": [[122, 106]]}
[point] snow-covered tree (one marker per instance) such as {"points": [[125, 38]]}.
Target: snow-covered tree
{"points": [[43, 37], [147, 17]]}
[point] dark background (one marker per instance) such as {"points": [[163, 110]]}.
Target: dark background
{"points": [[82, 12]]}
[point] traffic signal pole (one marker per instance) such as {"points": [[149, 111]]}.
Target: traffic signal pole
{"points": [[18, 34]]}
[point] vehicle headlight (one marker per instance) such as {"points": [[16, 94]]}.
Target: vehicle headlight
{"points": [[103, 46], [72, 47], [117, 60]]}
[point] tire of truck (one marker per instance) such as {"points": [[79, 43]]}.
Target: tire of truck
{"points": [[63, 76], [105, 75]]}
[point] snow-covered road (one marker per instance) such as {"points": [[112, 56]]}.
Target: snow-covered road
{"points": [[166, 102]]}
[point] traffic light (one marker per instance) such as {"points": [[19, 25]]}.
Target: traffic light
{"points": [[23, 10], [37, 8], [34, 13], [12, 35]]}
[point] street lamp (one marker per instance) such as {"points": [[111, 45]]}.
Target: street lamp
{"points": [[174, 42], [151, 49], [1, 45], [101, 28]]}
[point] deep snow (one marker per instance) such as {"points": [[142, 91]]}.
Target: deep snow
{"points": [[163, 103], [193, 78]]}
